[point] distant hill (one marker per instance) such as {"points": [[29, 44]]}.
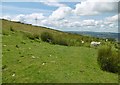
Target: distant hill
{"points": [[97, 34]]}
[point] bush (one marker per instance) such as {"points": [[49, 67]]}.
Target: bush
{"points": [[61, 41], [108, 59], [31, 36], [11, 29], [36, 36], [117, 45], [47, 37], [74, 42]]}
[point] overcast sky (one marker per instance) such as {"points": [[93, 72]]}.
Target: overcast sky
{"points": [[98, 15]]}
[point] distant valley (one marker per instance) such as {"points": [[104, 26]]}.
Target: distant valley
{"points": [[97, 34]]}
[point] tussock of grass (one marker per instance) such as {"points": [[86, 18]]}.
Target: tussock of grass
{"points": [[47, 37], [108, 59]]}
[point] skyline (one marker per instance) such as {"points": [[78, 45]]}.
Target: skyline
{"points": [[65, 16]]}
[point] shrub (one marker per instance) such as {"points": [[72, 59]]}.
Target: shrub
{"points": [[62, 42], [111, 39], [47, 37], [74, 42], [30, 35], [11, 29], [117, 45], [108, 59], [36, 36], [71, 42]]}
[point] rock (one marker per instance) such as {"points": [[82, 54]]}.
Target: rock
{"points": [[43, 63], [29, 48], [33, 56], [13, 74], [4, 45]]}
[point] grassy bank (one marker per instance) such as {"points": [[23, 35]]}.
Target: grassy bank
{"points": [[34, 61]]}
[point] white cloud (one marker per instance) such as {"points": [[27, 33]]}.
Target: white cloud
{"points": [[112, 19], [87, 7], [58, 0], [33, 16], [6, 17], [102, 26], [111, 25], [83, 25], [60, 13], [53, 3], [19, 17], [88, 23]]}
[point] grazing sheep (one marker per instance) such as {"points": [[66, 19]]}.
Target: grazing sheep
{"points": [[82, 41], [13, 74], [93, 43], [106, 40], [43, 63]]}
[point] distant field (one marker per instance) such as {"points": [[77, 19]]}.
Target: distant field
{"points": [[34, 61]]}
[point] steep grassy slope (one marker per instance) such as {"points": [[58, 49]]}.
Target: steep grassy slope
{"points": [[38, 30], [29, 28], [33, 61]]}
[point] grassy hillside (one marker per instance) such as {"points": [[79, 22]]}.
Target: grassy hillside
{"points": [[35, 30], [34, 61]]}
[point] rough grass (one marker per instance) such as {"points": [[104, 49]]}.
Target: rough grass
{"points": [[32, 61], [109, 59]]}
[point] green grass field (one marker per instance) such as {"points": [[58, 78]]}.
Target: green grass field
{"points": [[34, 61]]}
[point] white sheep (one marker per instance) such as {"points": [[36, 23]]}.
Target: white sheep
{"points": [[93, 43], [82, 41], [106, 40]]}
